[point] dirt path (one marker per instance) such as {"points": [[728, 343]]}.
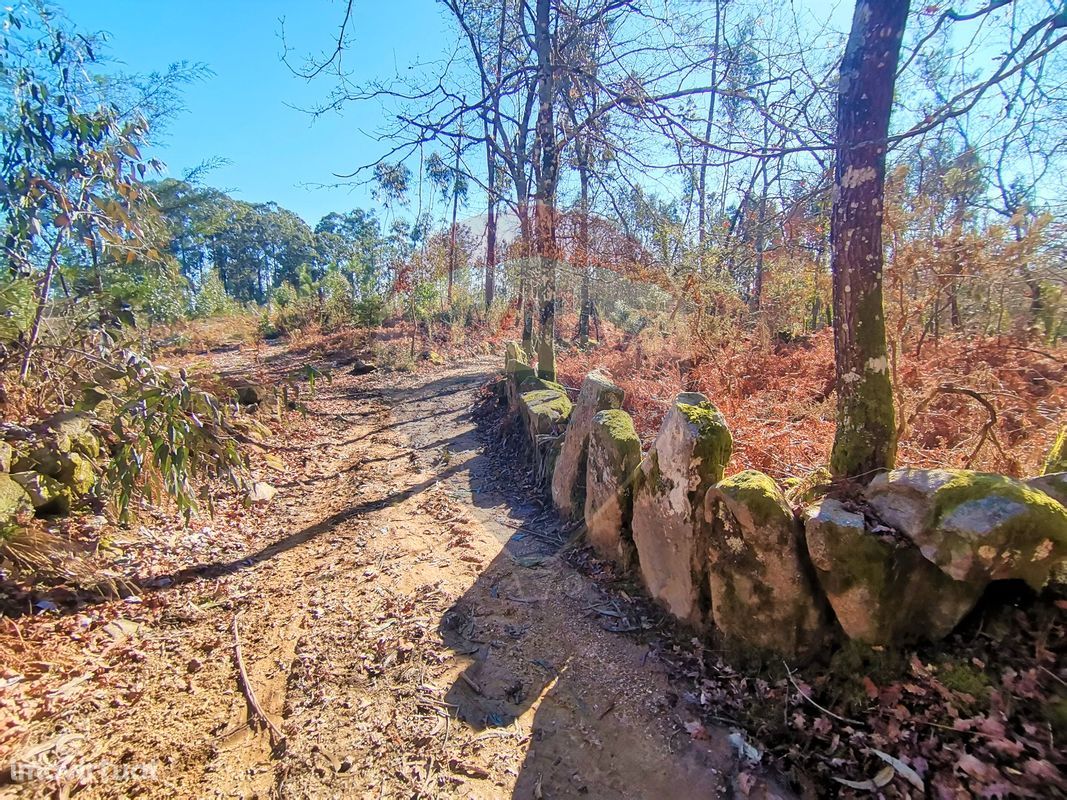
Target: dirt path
{"points": [[407, 626]]}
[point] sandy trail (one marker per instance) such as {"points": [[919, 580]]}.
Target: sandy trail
{"points": [[408, 626]]}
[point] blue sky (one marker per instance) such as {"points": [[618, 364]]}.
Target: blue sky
{"points": [[244, 112]]}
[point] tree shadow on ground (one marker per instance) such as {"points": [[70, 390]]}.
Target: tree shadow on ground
{"points": [[544, 659]]}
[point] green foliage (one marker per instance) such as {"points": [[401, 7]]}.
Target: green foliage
{"points": [[338, 303], [16, 307], [170, 436], [211, 299]]}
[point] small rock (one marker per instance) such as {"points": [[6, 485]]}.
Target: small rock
{"points": [[261, 493], [361, 367], [252, 394]]}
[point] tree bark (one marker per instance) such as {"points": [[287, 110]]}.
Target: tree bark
{"points": [[705, 150], [490, 224], [452, 254], [583, 260], [544, 211], [865, 442], [42, 302]]}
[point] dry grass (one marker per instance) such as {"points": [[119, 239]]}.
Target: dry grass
{"points": [[779, 403]]}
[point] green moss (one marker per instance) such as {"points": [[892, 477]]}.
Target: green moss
{"points": [[854, 661], [808, 488], [866, 440], [532, 383], [1057, 456], [550, 401], [1045, 520], [966, 679], [13, 499], [714, 443], [78, 474], [618, 426], [966, 485], [758, 493]]}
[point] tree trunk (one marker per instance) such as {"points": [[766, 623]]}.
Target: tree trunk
{"points": [[544, 212], [452, 255], [702, 204], [490, 223], [583, 260], [865, 442], [42, 301], [525, 279], [761, 239]]}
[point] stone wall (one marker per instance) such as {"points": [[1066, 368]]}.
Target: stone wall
{"points": [[902, 562]]}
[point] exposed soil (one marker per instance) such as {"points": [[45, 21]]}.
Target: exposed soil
{"points": [[405, 619]]}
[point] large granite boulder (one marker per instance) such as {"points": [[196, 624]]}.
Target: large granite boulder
{"points": [[975, 527], [762, 587], [614, 456], [598, 393], [688, 457], [882, 590], [544, 409]]}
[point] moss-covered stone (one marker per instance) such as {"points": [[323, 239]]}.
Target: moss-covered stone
{"points": [[78, 474], [975, 526], [598, 393], [805, 489], [49, 496], [714, 441], [1054, 484], [688, 457], [543, 409], [882, 590], [614, 456], [1057, 454], [72, 433], [14, 502], [761, 587]]}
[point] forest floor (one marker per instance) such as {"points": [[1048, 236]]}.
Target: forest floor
{"points": [[401, 612], [414, 621]]}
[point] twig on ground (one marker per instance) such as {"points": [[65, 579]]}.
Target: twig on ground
{"points": [[807, 697], [246, 686]]}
